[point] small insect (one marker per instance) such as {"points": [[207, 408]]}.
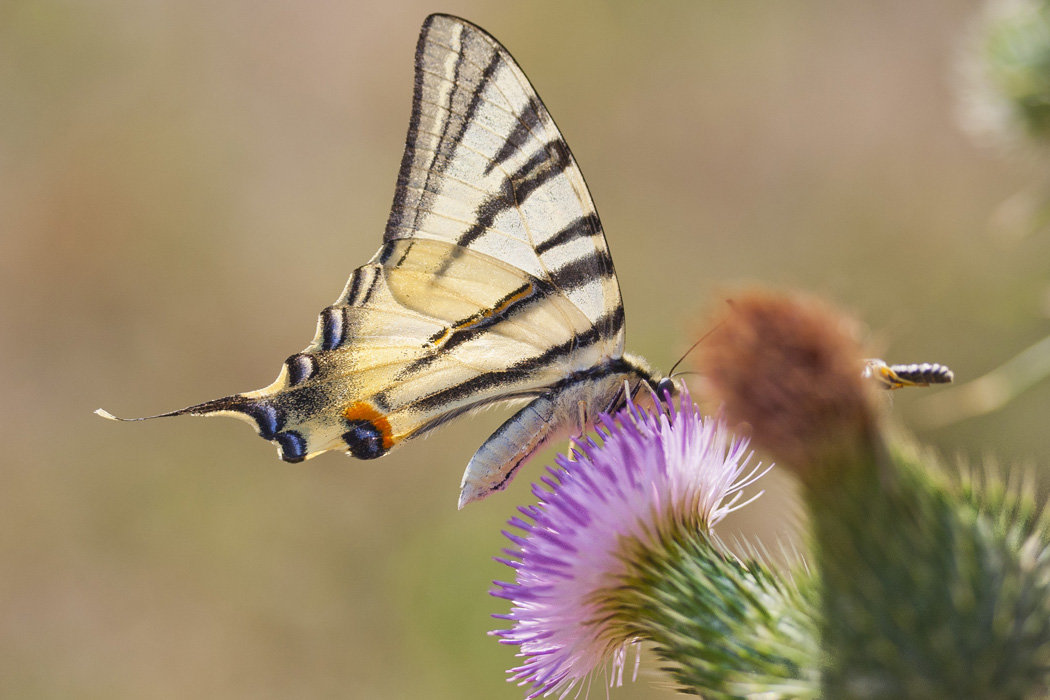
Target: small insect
{"points": [[898, 376], [494, 283]]}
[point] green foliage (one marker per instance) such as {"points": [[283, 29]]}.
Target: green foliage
{"points": [[725, 628], [1015, 52], [930, 590]]}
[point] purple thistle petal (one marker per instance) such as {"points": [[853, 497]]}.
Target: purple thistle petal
{"points": [[523, 524], [509, 562], [654, 473]]}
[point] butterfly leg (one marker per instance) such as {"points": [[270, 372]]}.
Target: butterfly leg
{"points": [[576, 439]]}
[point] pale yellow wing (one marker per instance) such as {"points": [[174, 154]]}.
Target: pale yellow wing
{"points": [[494, 281]]}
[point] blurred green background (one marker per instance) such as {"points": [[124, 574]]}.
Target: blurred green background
{"points": [[184, 185]]}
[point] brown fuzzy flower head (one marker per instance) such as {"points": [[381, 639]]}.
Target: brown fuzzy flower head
{"points": [[790, 366]]}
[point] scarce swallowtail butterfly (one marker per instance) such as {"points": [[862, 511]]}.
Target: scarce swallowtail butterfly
{"points": [[493, 283]]}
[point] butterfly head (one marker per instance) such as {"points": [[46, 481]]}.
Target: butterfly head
{"points": [[647, 382], [666, 388]]}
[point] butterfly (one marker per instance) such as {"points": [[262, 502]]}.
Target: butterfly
{"points": [[494, 283]]}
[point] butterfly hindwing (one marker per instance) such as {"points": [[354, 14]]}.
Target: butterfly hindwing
{"points": [[415, 347]]}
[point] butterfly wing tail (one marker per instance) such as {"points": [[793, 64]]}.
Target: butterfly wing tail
{"points": [[227, 404], [261, 413]]}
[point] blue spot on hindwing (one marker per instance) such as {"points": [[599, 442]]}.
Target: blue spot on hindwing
{"points": [[332, 328], [301, 367], [293, 446], [364, 440], [267, 418]]}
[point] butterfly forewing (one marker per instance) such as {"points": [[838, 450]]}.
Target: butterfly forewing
{"points": [[486, 168]]}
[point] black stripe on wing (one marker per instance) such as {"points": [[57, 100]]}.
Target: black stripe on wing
{"points": [[527, 120], [479, 323], [513, 303], [584, 227], [542, 167], [522, 369], [452, 129], [582, 270]]}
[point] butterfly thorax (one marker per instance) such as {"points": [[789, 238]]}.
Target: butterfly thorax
{"points": [[606, 384]]}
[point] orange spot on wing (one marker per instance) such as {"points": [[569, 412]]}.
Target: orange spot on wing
{"points": [[439, 339], [483, 316], [362, 410], [525, 293]]}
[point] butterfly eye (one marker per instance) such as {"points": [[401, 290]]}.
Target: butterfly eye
{"points": [[666, 388]]}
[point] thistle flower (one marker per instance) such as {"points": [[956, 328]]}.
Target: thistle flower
{"points": [[617, 520], [929, 588]]}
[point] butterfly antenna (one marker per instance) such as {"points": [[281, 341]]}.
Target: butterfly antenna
{"points": [[693, 347]]}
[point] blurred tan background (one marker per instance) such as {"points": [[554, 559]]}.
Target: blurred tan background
{"points": [[184, 185]]}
